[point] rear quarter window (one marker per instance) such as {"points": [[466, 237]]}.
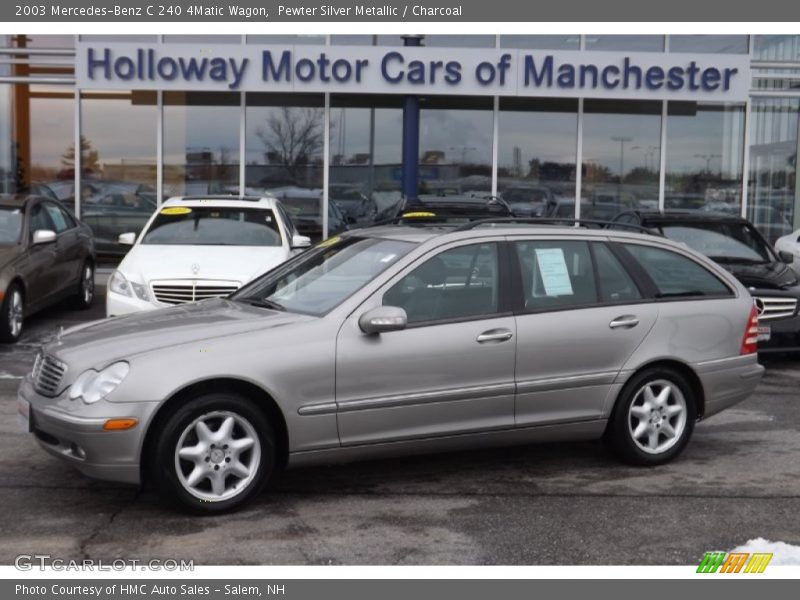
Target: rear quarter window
{"points": [[675, 275]]}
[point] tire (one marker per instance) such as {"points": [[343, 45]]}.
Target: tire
{"points": [[227, 479], [12, 314], [84, 295], [641, 423]]}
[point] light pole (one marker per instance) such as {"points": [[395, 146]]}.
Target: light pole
{"points": [[708, 158]]}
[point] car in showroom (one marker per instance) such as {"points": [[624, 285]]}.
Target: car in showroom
{"points": [[356, 206], [739, 247], [304, 208], [46, 255], [114, 208], [393, 340], [197, 247], [530, 200]]}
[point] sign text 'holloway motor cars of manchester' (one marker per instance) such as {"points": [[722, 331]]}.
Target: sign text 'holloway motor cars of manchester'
{"points": [[414, 70]]}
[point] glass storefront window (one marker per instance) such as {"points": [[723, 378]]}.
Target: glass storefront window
{"points": [[776, 47], [118, 173], [621, 156], [318, 40], [712, 44], [114, 38], [203, 39], [365, 156], [459, 41], [37, 140], [537, 146], [773, 190], [455, 145], [284, 140], [201, 142], [705, 149], [640, 43], [541, 42], [52, 42]]}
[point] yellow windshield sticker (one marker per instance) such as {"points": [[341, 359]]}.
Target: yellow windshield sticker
{"points": [[176, 210], [418, 214], [329, 242]]}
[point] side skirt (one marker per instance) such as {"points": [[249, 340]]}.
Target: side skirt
{"points": [[584, 430]]}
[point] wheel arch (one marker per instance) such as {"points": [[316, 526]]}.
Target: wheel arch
{"points": [[260, 397], [681, 367]]}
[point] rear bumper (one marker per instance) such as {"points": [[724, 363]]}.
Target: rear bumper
{"points": [[728, 381]]}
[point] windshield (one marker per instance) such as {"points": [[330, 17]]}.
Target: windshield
{"points": [[302, 207], [723, 242], [213, 226], [10, 225], [320, 279]]}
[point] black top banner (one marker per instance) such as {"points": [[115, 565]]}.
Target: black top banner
{"points": [[343, 11]]}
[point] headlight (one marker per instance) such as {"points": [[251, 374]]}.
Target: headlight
{"points": [[120, 285], [92, 385]]}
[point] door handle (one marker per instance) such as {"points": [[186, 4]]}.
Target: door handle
{"points": [[494, 335], [624, 322]]}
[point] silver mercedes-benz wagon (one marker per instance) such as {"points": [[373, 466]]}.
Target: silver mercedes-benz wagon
{"points": [[402, 339]]}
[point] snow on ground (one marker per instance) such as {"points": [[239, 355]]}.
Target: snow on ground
{"points": [[783, 553]]}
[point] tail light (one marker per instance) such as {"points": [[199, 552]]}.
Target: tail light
{"points": [[750, 339]]}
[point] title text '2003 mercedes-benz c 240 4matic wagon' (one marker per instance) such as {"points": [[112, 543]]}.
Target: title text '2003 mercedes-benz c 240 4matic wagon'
{"points": [[401, 339]]}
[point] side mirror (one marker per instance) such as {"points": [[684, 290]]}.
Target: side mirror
{"points": [[382, 319], [786, 257], [127, 239], [300, 241], [43, 236]]}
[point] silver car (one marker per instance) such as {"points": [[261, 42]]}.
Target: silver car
{"points": [[396, 340]]}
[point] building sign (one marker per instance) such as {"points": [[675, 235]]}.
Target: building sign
{"points": [[406, 70]]}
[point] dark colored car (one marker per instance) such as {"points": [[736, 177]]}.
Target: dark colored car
{"points": [[112, 208], [739, 247], [303, 207], [46, 255], [353, 203]]}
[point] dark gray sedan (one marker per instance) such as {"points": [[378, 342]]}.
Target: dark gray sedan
{"points": [[46, 255]]}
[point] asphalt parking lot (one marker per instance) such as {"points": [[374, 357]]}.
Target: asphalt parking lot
{"points": [[573, 503]]}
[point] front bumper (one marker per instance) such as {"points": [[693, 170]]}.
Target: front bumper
{"points": [[117, 305], [73, 431], [784, 336]]}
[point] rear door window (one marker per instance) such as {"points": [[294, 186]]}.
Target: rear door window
{"points": [[615, 283], [556, 274], [675, 275]]}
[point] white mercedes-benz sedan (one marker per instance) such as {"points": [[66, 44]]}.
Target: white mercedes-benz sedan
{"points": [[197, 247]]}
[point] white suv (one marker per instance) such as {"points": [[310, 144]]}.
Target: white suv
{"points": [[196, 247]]}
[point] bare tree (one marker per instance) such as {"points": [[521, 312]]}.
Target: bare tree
{"points": [[294, 134]]}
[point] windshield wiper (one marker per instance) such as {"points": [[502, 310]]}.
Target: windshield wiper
{"points": [[264, 303]]}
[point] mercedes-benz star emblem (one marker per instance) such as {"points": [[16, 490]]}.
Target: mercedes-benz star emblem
{"points": [[195, 268], [759, 303]]}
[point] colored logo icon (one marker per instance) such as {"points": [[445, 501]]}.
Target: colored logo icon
{"points": [[734, 562]]}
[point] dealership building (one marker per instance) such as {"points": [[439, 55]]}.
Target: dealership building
{"points": [[593, 124]]}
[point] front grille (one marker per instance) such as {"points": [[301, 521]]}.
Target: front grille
{"points": [[47, 374], [775, 307], [180, 292]]}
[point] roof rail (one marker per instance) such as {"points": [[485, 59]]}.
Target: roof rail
{"points": [[232, 197], [558, 221]]}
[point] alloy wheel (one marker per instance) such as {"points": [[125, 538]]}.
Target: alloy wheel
{"points": [[217, 456], [87, 284], [657, 416], [15, 313]]}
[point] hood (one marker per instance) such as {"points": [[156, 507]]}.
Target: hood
{"points": [[770, 276], [145, 263], [102, 342]]}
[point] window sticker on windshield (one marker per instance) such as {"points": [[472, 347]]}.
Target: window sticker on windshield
{"points": [[554, 272], [176, 210]]}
